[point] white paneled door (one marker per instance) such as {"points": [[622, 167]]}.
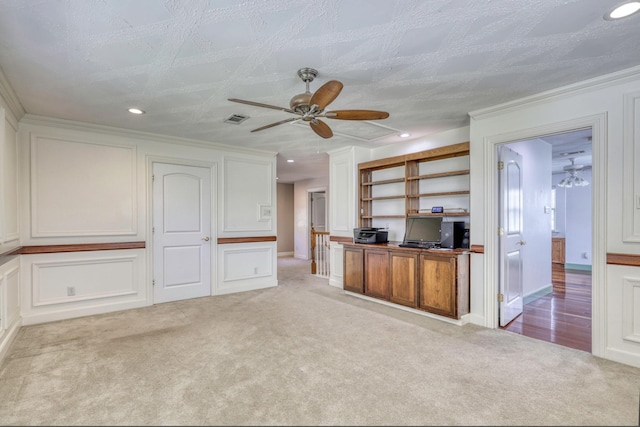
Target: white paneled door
{"points": [[181, 232], [511, 241]]}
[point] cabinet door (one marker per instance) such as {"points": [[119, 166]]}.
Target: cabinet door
{"points": [[557, 250], [437, 290], [376, 273], [404, 278], [353, 270]]}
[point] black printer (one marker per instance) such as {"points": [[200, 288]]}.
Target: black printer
{"points": [[370, 235]]}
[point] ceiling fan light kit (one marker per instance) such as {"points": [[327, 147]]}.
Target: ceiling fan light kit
{"points": [[311, 107], [573, 180]]}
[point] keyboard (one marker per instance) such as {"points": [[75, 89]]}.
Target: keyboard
{"points": [[420, 245]]}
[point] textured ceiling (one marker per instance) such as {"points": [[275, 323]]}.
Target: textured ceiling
{"points": [[427, 63]]}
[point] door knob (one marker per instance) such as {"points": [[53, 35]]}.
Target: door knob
{"points": [[206, 239], [522, 242]]}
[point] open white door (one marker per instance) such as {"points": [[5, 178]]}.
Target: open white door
{"points": [[511, 242], [318, 210], [181, 232]]}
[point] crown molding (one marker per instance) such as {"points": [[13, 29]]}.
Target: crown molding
{"points": [[10, 98], [597, 82], [30, 119]]}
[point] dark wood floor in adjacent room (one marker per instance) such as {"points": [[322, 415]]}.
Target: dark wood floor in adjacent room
{"points": [[563, 316]]}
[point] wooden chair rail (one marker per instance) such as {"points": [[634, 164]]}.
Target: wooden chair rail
{"points": [[79, 247]]}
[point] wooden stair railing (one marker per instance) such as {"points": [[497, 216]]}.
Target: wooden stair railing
{"points": [[319, 252]]}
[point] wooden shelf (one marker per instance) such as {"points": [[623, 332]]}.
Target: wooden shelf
{"points": [[385, 181], [367, 199], [442, 193], [417, 169], [444, 214], [439, 175]]}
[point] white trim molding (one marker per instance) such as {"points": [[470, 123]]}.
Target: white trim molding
{"points": [[598, 124]]}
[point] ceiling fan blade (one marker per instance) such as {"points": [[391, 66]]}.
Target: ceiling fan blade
{"points": [[326, 94], [321, 128], [356, 115], [258, 104], [276, 124]]}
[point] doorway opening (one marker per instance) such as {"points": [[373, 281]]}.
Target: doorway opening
{"points": [[318, 233], [555, 248]]}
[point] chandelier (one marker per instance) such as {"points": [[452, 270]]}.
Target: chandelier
{"points": [[573, 180]]}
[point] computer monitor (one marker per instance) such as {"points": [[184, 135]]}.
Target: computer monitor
{"points": [[423, 229]]}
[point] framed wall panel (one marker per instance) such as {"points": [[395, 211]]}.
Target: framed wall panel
{"points": [[631, 169], [249, 203], [82, 188]]}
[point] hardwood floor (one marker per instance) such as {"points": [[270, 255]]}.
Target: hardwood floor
{"points": [[563, 316]]}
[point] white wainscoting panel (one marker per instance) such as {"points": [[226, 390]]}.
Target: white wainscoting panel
{"points": [[67, 285], [246, 266], [336, 277], [623, 314], [56, 282], [631, 309], [82, 188], [12, 295], [255, 181], [10, 320]]}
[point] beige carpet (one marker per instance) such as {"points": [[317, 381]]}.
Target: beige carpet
{"points": [[303, 353]]}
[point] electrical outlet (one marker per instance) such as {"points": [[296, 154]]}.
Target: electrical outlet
{"points": [[255, 270], [71, 291]]}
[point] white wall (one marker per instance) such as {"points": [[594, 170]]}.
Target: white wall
{"points": [[573, 220], [81, 183], [578, 224], [285, 220]]}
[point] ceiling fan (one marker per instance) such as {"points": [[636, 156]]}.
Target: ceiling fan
{"points": [[310, 107]]}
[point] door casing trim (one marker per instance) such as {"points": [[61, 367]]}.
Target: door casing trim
{"points": [[598, 125]]}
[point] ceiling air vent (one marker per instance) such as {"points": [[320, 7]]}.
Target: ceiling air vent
{"points": [[236, 119]]}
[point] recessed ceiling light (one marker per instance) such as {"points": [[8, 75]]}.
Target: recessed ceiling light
{"points": [[405, 135], [622, 11], [290, 161], [136, 111]]}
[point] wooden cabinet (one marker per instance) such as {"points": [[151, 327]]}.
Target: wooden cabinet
{"points": [[353, 263], [403, 278], [411, 184], [444, 284], [557, 250], [376, 273], [424, 279]]}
